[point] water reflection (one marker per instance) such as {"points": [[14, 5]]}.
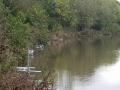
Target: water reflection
{"points": [[84, 65], [111, 73], [105, 77]]}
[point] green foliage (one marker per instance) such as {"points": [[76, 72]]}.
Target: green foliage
{"points": [[42, 37], [1, 10], [97, 14], [81, 14], [49, 6], [16, 29], [66, 13], [18, 5], [39, 36], [7, 65], [86, 10], [4, 66], [37, 17]]}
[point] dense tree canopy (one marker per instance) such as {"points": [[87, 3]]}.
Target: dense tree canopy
{"points": [[18, 16], [95, 14]]}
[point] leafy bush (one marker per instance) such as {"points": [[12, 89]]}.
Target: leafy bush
{"points": [[36, 16], [17, 30]]}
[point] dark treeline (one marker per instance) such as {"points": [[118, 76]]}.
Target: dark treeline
{"points": [[26, 21]]}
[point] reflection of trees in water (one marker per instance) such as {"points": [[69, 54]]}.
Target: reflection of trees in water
{"points": [[46, 59], [80, 58]]}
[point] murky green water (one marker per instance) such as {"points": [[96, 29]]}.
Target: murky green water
{"points": [[83, 65]]}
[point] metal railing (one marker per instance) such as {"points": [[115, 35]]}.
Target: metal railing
{"points": [[28, 68]]}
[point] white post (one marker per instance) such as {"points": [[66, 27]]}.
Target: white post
{"points": [[28, 64]]}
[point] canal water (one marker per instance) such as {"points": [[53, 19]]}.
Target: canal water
{"points": [[87, 64]]}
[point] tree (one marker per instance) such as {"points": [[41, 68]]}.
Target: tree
{"points": [[16, 29], [37, 16], [66, 13]]}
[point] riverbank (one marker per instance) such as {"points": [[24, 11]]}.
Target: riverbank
{"points": [[87, 33], [14, 80], [58, 36]]}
